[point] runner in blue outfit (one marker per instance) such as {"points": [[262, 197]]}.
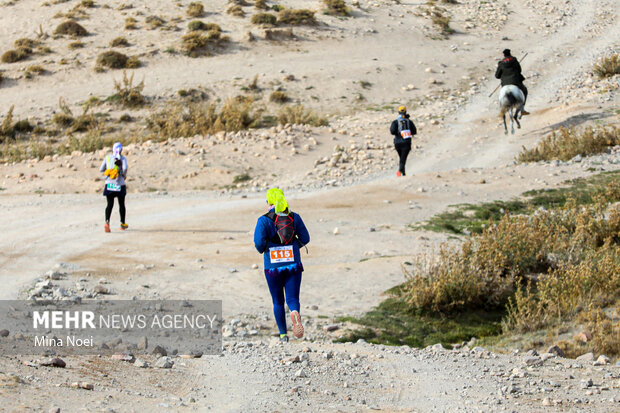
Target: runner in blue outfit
{"points": [[279, 234]]}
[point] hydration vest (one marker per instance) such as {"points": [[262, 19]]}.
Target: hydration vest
{"points": [[285, 228], [403, 128]]}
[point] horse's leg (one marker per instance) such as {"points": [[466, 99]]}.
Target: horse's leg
{"points": [[512, 125], [517, 117], [505, 126]]}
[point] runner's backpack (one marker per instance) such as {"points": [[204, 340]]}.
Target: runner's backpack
{"points": [[285, 228], [403, 129]]}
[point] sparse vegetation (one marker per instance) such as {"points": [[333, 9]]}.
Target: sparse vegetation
{"points": [[196, 44], [75, 45], [131, 23], [261, 5], [300, 115], [264, 19], [244, 177], [442, 21], [128, 94], [336, 8], [119, 42], [297, 17], [116, 60], [279, 34], [87, 3], [236, 11], [13, 56], [278, 96], [566, 143], [608, 66], [154, 22], [34, 70], [181, 119], [71, 28], [195, 9], [199, 25]]}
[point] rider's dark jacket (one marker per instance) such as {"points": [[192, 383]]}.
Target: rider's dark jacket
{"points": [[509, 71]]}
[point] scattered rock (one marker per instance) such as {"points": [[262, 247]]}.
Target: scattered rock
{"points": [[584, 336], [601, 360], [140, 363], [129, 358], [331, 327], [53, 362], [4, 333], [586, 357], [159, 351], [164, 363], [101, 289], [82, 385], [556, 350]]}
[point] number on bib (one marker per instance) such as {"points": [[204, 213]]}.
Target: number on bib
{"points": [[281, 254], [111, 186], [406, 134]]}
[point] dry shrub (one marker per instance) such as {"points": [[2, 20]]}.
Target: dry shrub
{"points": [[71, 28], [131, 23], [65, 119], [1, 77], [75, 45], [128, 95], [34, 70], [182, 119], [566, 143], [87, 3], [296, 17], [195, 9], [608, 66], [24, 42], [279, 34], [199, 25], [116, 60], [278, 96], [442, 22], [196, 44], [560, 263], [154, 21], [300, 115], [261, 5], [119, 42], [264, 19], [336, 8], [7, 129], [13, 56], [236, 11]]}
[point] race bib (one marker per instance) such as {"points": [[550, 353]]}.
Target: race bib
{"points": [[114, 187], [281, 254], [406, 134]]}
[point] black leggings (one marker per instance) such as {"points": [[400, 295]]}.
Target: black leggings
{"points": [[121, 207], [403, 149]]}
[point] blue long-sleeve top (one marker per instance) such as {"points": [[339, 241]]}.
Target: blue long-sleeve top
{"points": [[266, 230]]}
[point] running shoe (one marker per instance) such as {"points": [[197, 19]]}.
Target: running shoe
{"points": [[525, 112], [124, 226], [298, 329], [106, 227], [283, 338], [398, 173]]}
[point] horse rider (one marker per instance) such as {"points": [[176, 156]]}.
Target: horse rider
{"points": [[509, 71]]}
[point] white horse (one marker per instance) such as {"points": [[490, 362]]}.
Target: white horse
{"points": [[511, 100]]}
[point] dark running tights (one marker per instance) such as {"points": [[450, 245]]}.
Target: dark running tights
{"points": [[121, 207], [403, 149]]}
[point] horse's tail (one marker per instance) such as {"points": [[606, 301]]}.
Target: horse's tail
{"points": [[512, 99]]}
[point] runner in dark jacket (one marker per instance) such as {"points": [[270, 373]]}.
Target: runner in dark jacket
{"points": [[509, 71], [403, 130]]}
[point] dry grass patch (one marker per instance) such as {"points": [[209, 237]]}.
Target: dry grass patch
{"points": [[195, 9], [71, 28], [131, 23], [297, 17], [278, 96], [264, 19], [261, 5], [119, 42], [196, 44], [127, 94], [608, 66], [300, 115], [236, 11], [336, 8], [566, 143], [207, 27], [34, 70], [16, 55], [278, 35], [182, 119], [75, 45], [116, 60], [154, 21]]}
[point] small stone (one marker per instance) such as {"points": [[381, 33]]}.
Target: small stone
{"points": [[547, 402], [143, 343], [128, 357], [331, 327], [300, 373], [82, 385], [532, 361], [100, 289], [164, 363], [586, 357], [254, 266], [583, 336], [556, 350], [4, 333], [586, 383], [54, 410], [53, 362], [601, 360], [336, 231], [140, 363], [159, 351]]}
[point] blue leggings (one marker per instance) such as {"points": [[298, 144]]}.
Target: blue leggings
{"points": [[289, 283]]}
